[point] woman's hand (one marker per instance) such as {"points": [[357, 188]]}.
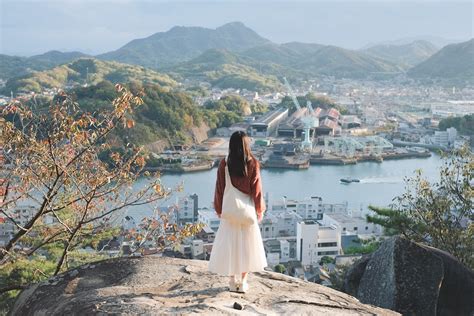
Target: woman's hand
{"points": [[218, 215], [259, 217]]}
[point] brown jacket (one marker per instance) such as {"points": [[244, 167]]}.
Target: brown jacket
{"points": [[251, 185]]}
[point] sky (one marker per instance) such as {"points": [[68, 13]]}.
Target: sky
{"points": [[31, 27]]}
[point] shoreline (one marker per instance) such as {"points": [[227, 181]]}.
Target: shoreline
{"points": [[304, 165]]}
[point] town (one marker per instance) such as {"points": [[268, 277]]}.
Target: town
{"points": [[306, 238], [236, 157]]}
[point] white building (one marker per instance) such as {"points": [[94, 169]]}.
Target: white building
{"points": [[445, 138], [187, 209], [452, 108], [279, 224], [269, 227], [209, 217], [309, 208], [286, 223], [335, 208], [313, 241], [352, 223], [197, 249], [22, 215], [273, 258], [284, 250]]}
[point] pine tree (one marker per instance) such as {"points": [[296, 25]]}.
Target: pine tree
{"points": [[438, 214]]}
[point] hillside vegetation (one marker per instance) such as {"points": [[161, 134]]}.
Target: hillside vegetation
{"points": [[85, 71], [224, 69], [343, 63], [407, 55], [184, 43], [453, 63], [234, 56], [464, 124], [165, 115], [14, 66]]}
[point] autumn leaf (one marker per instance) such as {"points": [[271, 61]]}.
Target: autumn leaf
{"points": [[130, 123]]}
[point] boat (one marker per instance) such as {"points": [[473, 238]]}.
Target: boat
{"points": [[349, 180]]}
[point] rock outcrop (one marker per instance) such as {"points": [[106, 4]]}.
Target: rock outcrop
{"points": [[160, 285], [412, 279]]}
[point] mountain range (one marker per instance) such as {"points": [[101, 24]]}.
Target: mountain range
{"points": [[454, 61], [181, 47], [233, 55], [405, 55], [181, 44]]}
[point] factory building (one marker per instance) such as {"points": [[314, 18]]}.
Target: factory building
{"points": [[267, 124]]}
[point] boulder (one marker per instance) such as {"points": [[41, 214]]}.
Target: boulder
{"points": [[354, 275], [161, 285], [412, 279]]}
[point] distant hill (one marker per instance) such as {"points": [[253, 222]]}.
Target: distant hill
{"points": [[14, 66], [184, 43], [285, 54], [181, 47], [11, 66], [340, 62], [232, 55], [453, 62], [437, 41], [316, 59], [258, 68], [406, 55], [82, 71], [55, 57], [225, 69]]}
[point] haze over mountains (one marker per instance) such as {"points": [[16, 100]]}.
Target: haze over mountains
{"points": [[180, 44], [406, 55], [453, 61], [233, 55]]}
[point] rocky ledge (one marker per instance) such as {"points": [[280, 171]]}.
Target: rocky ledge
{"points": [[158, 285]]}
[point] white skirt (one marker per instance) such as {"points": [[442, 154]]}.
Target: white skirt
{"points": [[237, 249]]}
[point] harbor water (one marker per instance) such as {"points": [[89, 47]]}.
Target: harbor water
{"points": [[379, 183]]}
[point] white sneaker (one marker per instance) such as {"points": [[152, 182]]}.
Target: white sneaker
{"points": [[243, 287], [233, 285]]}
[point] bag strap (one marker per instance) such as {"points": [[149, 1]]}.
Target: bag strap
{"points": [[228, 180], [227, 175]]}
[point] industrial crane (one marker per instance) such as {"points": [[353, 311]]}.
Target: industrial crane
{"points": [[309, 121]]}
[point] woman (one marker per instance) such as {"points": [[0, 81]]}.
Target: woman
{"points": [[238, 248]]}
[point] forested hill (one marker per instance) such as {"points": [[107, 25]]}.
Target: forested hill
{"points": [[184, 43], [85, 71], [14, 66], [188, 50], [224, 69], [453, 62], [168, 116], [165, 115], [406, 55]]}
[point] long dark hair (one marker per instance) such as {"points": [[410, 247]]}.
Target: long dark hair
{"points": [[239, 154]]}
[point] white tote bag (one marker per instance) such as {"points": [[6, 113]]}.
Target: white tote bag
{"points": [[237, 207]]}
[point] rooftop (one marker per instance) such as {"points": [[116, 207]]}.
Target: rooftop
{"points": [[269, 116]]}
